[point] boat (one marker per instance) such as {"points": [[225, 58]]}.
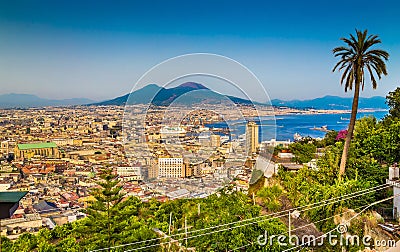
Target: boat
{"points": [[297, 137], [344, 119], [322, 128]]}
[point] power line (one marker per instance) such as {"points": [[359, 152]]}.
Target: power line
{"points": [[354, 194], [325, 219], [364, 209], [318, 204]]}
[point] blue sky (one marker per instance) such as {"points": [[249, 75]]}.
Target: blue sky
{"points": [[99, 49]]}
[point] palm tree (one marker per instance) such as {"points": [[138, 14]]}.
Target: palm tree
{"points": [[356, 59]]}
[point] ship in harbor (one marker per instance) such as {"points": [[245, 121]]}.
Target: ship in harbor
{"points": [[297, 137], [322, 128]]}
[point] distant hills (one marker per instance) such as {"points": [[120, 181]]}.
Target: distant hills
{"points": [[162, 96], [27, 100], [188, 93], [182, 94], [333, 102]]}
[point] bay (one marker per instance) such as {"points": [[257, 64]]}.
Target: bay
{"points": [[283, 127]]}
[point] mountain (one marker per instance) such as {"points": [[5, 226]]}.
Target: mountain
{"points": [[186, 93], [333, 102], [27, 100]]}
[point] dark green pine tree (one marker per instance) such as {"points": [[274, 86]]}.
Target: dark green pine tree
{"points": [[113, 219], [100, 228]]}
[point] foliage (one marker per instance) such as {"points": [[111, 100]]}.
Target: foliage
{"points": [[217, 209], [255, 187], [329, 139], [378, 140], [111, 219], [375, 145], [357, 58], [103, 215], [44, 237], [134, 221], [303, 152], [6, 244], [341, 135], [68, 245], [26, 242], [393, 101], [278, 149], [114, 219], [309, 186], [270, 197]]}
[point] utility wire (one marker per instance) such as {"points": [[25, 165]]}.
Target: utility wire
{"points": [[318, 204], [363, 210]]}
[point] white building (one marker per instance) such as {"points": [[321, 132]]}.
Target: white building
{"points": [[130, 172], [394, 181], [274, 143], [63, 142], [286, 155], [178, 194], [170, 168]]}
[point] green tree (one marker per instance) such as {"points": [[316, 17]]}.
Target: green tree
{"points": [[6, 244], [112, 218], [68, 245], [377, 140], [329, 139], [26, 242], [393, 101], [356, 59], [391, 142], [103, 210], [303, 152], [43, 238]]}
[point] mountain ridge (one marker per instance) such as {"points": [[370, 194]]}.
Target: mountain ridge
{"points": [[333, 102], [165, 96], [14, 100], [157, 95]]}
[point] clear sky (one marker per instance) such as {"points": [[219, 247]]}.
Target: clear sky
{"points": [[99, 49]]}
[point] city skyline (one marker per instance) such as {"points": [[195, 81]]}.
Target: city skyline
{"points": [[59, 50]]}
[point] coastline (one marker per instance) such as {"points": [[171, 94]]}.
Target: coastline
{"points": [[291, 111]]}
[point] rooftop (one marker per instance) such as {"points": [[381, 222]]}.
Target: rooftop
{"points": [[11, 197], [36, 146]]}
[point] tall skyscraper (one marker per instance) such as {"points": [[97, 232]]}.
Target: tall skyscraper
{"points": [[251, 137]]}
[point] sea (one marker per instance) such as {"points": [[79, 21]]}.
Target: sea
{"points": [[284, 127]]}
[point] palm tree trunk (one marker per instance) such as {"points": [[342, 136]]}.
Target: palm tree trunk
{"points": [[350, 130]]}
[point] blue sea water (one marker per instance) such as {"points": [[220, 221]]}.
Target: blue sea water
{"points": [[288, 125]]}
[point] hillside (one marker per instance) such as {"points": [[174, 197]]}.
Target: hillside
{"points": [[27, 100]]}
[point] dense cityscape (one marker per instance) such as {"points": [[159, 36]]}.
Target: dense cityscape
{"points": [[55, 156], [200, 126], [56, 153]]}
